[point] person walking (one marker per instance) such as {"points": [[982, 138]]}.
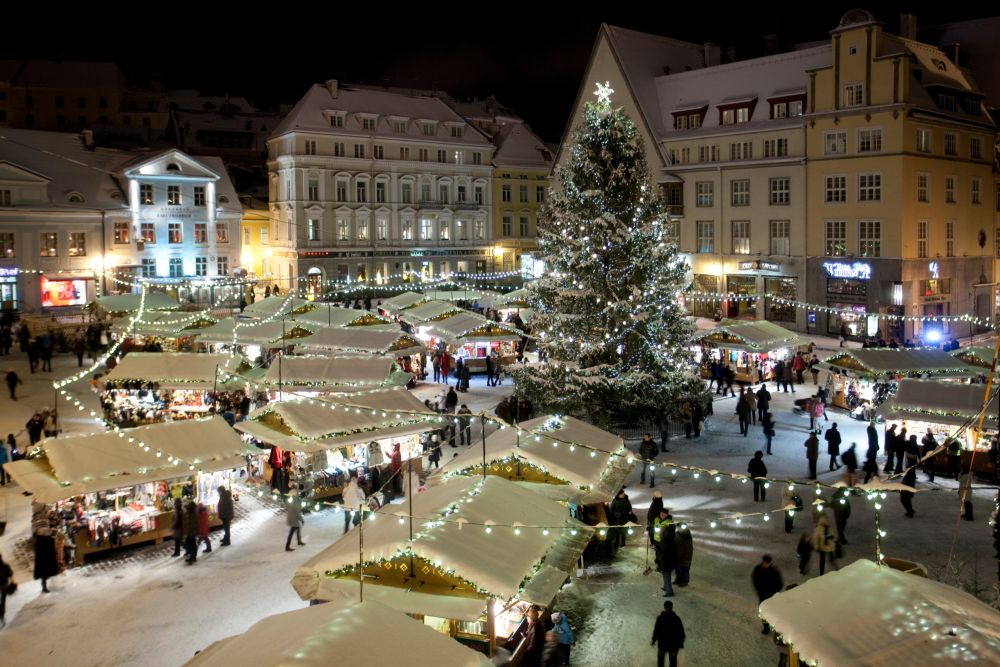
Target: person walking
{"points": [[46, 563], [294, 520], [685, 551], [663, 426], [812, 453], [226, 513], [766, 581], [730, 376], [833, 440], [445, 367], [464, 425], [799, 366], [929, 444], [564, 635], [450, 401], [191, 526], [647, 452], [79, 347], [12, 381], [743, 413], [843, 334], [872, 438], [686, 419], [665, 544], [434, 455], [850, 460], [870, 466], [791, 503], [786, 378], [720, 379], [814, 369], [751, 399], [668, 635], [34, 428], [6, 582], [778, 375], [354, 501], [890, 447], [45, 352], [203, 529], [825, 543], [436, 363], [763, 402], [177, 527], [803, 552], [758, 473], [816, 410], [767, 421], [906, 497], [841, 505]]}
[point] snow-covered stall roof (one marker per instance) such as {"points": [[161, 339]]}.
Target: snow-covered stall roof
{"points": [[496, 562], [596, 464], [334, 316], [76, 464], [402, 599], [309, 425], [165, 324], [463, 328], [756, 336], [975, 356], [324, 373], [519, 298], [940, 403], [250, 332], [174, 370], [120, 303], [884, 363], [459, 294], [339, 633], [394, 304], [428, 310], [361, 340], [866, 615], [276, 306]]}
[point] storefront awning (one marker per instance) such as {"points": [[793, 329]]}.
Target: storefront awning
{"points": [[876, 363], [940, 403], [750, 336], [175, 370]]}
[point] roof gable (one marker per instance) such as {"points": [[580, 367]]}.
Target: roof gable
{"points": [[10, 172], [157, 165]]}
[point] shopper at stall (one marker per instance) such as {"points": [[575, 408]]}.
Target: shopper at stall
{"points": [[294, 519], [890, 447], [46, 563], [619, 514], [191, 527], [929, 444], [564, 635], [665, 543], [445, 363], [34, 427], [899, 449], [354, 502], [534, 639], [12, 381], [203, 529], [799, 366], [226, 513], [751, 399]]}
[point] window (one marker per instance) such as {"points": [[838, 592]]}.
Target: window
{"points": [[362, 230], [426, 230], [428, 129], [199, 195], [922, 193], [869, 187], [776, 148], [343, 230], [146, 193], [740, 192], [222, 266], [264, 233], [407, 229], [480, 230], [780, 231], [336, 120], [507, 226], [706, 236], [836, 238], [121, 232], [246, 237], [779, 191], [741, 237], [361, 190], [406, 193], [7, 245], [379, 151], [835, 143], [870, 140], [380, 192], [779, 109], [479, 195], [201, 266], [148, 265], [460, 197], [525, 226], [870, 238], [313, 189], [704, 193], [523, 194], [977, 191], [672, 231], [200, 232], [950, 144], [923, 141], [221, 232], [368, 124], [539, 194], [399, 126], [77, 244], [381, 229], [477, 158], [404, 152], [741, 150], [949, 239], [173, 195], [174, 234], [176, 269], [443, 193], [442, 156], [49, 244], [444, 230], [922, 238], [854, 94], [425, 192], [338, 149], [359, 150], [341, 190], [422, 154], [795, 107], [976, 148], [310, 150], [949, 189], [505, 193]]}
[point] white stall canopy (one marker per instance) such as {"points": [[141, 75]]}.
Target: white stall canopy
{"points": [[429, 310], [750, 336], [250, 332], [394, 304], [940, 403], [354, 340], [322, 373], [175, 370], [276, 306], [123, 303], [164, 324], [465, 327], [877, 363], [334, 316]]}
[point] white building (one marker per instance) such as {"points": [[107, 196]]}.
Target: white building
{"points": [[370, 185]]}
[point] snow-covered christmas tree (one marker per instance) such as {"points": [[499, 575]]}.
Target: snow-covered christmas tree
{"points": [[608, 317]]}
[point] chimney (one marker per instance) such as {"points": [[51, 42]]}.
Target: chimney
{"points": [[908, 26], [770, 45], [712, 53], [88, 139], [953, 51], [331, 86]]}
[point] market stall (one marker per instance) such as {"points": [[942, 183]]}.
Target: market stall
{"points": [[750, 348], [863, 614], [427, 311], [981, 356], [129, 303], [256, 336], [308, 637], [174, 330], [327, 315], [330, 440], [473, 583], [394, 304], [360, 340], [275, 307], [472, 338], [320, 374], [106, 490]]}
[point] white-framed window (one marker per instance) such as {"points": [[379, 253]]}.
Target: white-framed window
{"points": [[706, 236], [361, 190], [368, 124], [201, 266], [310, 150], [460, 194], [741, 237], [780, 237], [949, 189], [175, 268], [399, 126], [407, 229], [313, 189], [48, 243], [336, 120], [442, 155], [341, 189], [380, 192], [921, 238], [780, 191], [950, 144], [775, 147], [222, 266], [443, 189], [740, 189], [463, 229], [343, 229], [779, 110], [422, 154], [7, 250], [147, 232], [173, 195], [708, 153], [148, 267], [122, 232], [870, 140], [869, 187], [146, 196], [854, 94], [523, 194], [404, 152], [199, 195], [406, 193], [795, 107], [362, 230], [444, 230], [478, 192], [924, 140], [175, 233], [505, 192], [456, 132], [870, 238], [264, 234], [704, 193], [428, 129], [976, 148], [524, 226], [359, 150], [222, 232], [339, 149], [741, 150], [479, 229], [381, 229], [977, 191], [836, 238], [539, 194], [312, 229], [425, 192], [949, 239], [835, 143], [426, 229], [477, 157], [200, 233], [923, 188], [507, 225], [459, 157], [378, 152]]}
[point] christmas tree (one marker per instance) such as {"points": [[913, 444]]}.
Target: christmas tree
{"points": [[608, 318]]}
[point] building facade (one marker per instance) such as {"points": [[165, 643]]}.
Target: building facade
{"points": [[255, 245], [377, 186]]}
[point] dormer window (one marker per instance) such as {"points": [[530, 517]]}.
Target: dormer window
{"points": [[734, 111], [399, 126], [336, 118], [456, 131], [368, 124], [940, 64], [787, 106], [689, 119], [429, 130]]}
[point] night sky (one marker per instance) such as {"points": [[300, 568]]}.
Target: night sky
{"points": [[530, 55]]}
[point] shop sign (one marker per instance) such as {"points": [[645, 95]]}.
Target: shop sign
{"points": [[748, 266], [933, 269], [856, 270], [63, 292], [8, 271], [769, 266], [759, 265]]}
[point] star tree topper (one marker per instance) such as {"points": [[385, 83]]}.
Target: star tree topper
{"points": [[603, 93]]}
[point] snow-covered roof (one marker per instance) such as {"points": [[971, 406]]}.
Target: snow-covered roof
{"points": [[122, 303], [977, 39], [940, 403], [339, 633], [517, 298], [307, 425], [320, 372], [276, 306], [71, 74], [394, 304], [749, 336], [468, 327], [884, 363], [335, 316], [458, 294], [975, 356], [249, 332], [402, 599], [361, 339], [553, 444], [164, 324], [428, 310], [497, 562], [174, 370], [518, 146], [866, 615]]}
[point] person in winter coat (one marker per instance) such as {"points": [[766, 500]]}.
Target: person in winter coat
{"points": [[899, 449], [5, 457], [354, 502], [550, 651], [464, 425], [751, 399], [191, 526], [720, 379], [564, 635], [46, 563], [786, 378], [841, 505], [890, 447], [697, 416], [767, 422], [872, 437], [685, 550], [534, 640], [791, 502], [436, 363], [653, 513], [12, 381], [729, 375], [803, 552], [799, 366], [451, 401], [294, 520], [763, 402], [226, 513], [665, 543], [758, 472], [812, 453], [825, 543], [647, 452], [434, 455], [445, 367], [850, 460], [203, 529], [743, 413], [870, 466], [177, 528], [814, 369], [906, 497], [833, 441], [618, 515], [6, 579], [954, 450], [766, 581], [668, 635], [929, 445]]}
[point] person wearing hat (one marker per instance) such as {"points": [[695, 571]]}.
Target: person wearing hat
{"points": [[664, 541], [565, 636], [654, 511]]}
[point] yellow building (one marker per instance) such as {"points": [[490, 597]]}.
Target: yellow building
{"points": [[255, 230], [899, 186]]}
